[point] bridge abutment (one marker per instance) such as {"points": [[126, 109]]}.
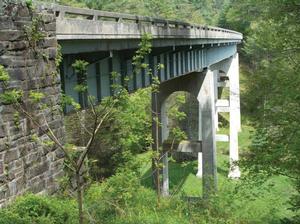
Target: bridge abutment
{"points": [[27, 164]]}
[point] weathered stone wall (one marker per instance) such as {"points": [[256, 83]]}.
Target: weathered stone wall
{"points": [[26, 164]]}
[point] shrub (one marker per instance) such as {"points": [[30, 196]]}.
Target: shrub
{"points": [[8, 217], [122, 199], [40, 210], [128, 129]]}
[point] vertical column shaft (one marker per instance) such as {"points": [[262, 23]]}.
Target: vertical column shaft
{"points": [[164, 136], [156, 138], [160, 133], [206, 100], [216, 98], [235, 123], [200, 156], [165, 175]]}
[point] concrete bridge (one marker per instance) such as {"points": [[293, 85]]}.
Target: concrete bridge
{"points": [[197, 59]]}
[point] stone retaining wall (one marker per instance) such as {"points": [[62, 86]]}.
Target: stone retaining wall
{"points": [[27, 165]]}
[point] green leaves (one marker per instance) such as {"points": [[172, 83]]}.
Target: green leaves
{"points": [[67, 100], [34, 33], [29, 4], [35, 96], [144, 49], [58, 58], [11, 96], [4, 76], [80, 88], [80, 66], [271, 59]]}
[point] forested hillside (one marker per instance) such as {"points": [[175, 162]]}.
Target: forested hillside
{"points": [[193, 11], [271, 70]]}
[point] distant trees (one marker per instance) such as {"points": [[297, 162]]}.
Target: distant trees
{"points": [[271, 61], [169, 9], [193, 11]]}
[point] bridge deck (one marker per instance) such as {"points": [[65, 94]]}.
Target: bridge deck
{"points": [[78, 23]]}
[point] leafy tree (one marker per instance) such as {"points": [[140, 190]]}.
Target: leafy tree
{"points": [[271, 56], [128, 129], [75, 155]]}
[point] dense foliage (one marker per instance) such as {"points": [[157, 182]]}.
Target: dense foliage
{"points": [[40, 210], [127, 130], [194, 11], [122, 199], [271, 60]]}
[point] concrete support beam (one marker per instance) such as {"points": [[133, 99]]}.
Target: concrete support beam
{"points": [[206, 100], [200, 156], [223, 84], [160, 132], [216, 99], [164, 136], [189, 146], [165, 175], [156, 136], [235, 117], [200, 165], [222, 106], [222, 138]]}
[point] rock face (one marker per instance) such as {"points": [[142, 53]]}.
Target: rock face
{"points": [[27, 165]]}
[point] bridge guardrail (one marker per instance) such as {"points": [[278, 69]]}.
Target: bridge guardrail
{"points": [[66, 12]]}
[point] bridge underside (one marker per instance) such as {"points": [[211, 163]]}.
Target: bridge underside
{"points": [[177, 61], [204, 86], [197, 59], [195, 69]]}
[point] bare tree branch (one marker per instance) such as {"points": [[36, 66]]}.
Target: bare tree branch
{"points": [[91, 140], [47, 132], [83, 126]]}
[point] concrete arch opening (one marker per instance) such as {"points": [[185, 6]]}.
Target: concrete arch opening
{"points": [[180, 110], [180, 138], [200, 86]]}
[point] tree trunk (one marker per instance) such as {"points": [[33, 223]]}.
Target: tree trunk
{"points": [[79, 199]]}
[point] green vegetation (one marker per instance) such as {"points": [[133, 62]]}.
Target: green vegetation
{"points": [[124, 198], [120, 169], [270, 66], [193, 11]]}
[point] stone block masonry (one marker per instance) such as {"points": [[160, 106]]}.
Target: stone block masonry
{"points": [[27, 165]]}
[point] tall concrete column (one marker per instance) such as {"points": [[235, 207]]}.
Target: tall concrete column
{"points": [[235, 117], [165, 175], [164, 122], [206, 100], [216, 76], [156, 128], [165, 161], [160, 133], [200, 157]]}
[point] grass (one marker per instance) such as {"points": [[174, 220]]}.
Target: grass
{"points": [[271, 197], [182, 176]]}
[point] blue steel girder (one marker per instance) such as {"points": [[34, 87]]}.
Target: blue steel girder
{"points": [[176, 63]]}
